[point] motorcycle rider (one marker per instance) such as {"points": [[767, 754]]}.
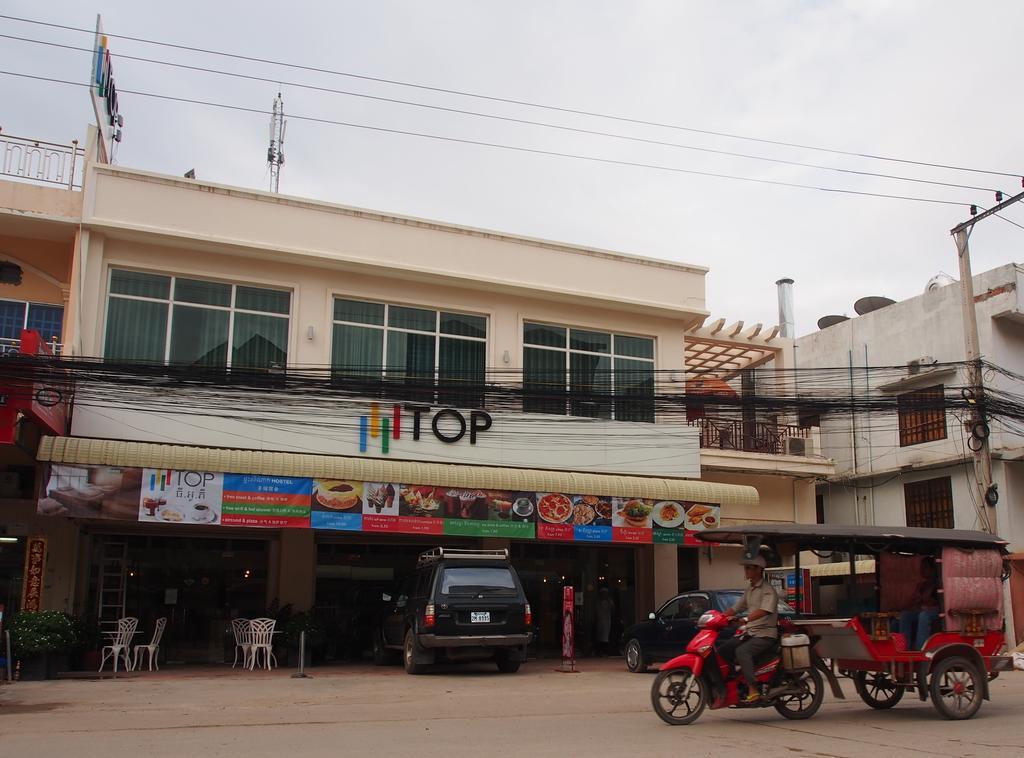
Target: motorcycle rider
{"points": [[761, 602]]}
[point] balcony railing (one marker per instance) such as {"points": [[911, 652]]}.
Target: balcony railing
{"points": [[41, 162], [11, 346], [756, 437]]}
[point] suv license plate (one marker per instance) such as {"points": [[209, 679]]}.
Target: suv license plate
{"points": [[480, 617]]}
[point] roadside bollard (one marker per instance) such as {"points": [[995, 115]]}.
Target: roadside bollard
{"points": [[301, 673]]}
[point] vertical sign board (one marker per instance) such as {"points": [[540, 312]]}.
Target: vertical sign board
{"points": [[103, 92], [35, 565], [568, 625]]}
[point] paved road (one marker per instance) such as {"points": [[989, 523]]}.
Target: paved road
{"points": [[361, 710]]}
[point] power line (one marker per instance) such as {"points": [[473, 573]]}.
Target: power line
{"points": [[511, 101], [507, 119], [513, 148]]}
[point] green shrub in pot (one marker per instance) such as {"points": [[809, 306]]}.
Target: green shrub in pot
{"points": [[42, 642]]}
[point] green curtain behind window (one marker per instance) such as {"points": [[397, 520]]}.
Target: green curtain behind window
{"points": [[543, 381], [634, 390], [461, 373], [259, 342], [199, 336], [357, 352], [590, 375], [136, 330]]}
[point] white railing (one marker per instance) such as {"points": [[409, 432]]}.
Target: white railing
{"points": [[42, 162], [11, 345]]}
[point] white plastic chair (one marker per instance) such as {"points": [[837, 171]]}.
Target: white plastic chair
{"points": [[261, 638], [153, 648], [240, 628], [121, 643]]}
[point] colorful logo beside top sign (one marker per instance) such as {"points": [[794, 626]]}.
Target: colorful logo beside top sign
{"points": [[448, 425]]}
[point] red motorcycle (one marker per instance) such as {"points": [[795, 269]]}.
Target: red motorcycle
{"points": [[701, 678]]}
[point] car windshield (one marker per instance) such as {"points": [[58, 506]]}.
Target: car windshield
{"points": [[727, 600], [475, 580]]}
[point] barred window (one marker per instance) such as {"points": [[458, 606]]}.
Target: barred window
{"points": [[922, 415], [929, 503]]}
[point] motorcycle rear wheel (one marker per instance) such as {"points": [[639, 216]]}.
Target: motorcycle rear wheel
{"points": [[807, 703], [668, 701]]}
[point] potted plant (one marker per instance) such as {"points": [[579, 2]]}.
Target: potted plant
{"points": [[42, 642], [89, 641], [316, 635]]}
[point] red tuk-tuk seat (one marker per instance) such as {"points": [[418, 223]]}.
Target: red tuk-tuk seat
{"points": [[972, 590]]}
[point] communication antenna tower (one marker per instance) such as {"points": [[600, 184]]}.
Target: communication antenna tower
{"points": [[275, 153]]}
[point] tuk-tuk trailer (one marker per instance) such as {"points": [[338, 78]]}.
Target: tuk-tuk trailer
{"points": [[964, 650]]}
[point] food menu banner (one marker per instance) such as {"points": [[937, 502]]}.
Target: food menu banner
{"points": [[208, 498], [267, 501]]}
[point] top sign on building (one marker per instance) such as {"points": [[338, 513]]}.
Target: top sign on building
{"points": [[103, 93]]}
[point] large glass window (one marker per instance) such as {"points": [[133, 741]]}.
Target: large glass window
{"points": [[430, 353], [157, 318], [587, 373], [16, 315]]}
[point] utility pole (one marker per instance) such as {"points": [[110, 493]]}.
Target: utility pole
{"points": [[275, 153], [979, 429]]}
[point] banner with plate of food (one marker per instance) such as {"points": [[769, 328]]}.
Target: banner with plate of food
{"points": [[214, 499]]}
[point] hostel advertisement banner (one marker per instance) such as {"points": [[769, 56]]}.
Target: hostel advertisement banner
{"points": [[250, 500]]}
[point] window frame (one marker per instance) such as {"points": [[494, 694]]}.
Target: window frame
{"points": [[926, 497], [231, 309], [385, 328], [28, 308], [611, 355], [918, 423]]}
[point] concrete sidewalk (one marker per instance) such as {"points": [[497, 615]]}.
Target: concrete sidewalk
{"points": [[360, 709]]}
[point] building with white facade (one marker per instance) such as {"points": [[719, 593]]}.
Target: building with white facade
{"points": [[329, 410], [914, 467]]}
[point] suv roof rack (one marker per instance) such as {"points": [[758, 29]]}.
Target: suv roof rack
{"points": [[441, 553]]}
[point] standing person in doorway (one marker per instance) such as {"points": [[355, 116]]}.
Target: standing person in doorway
{"points": [[603, 631]]}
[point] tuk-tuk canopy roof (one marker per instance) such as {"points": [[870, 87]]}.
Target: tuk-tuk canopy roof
{"points": [[875, 538]]}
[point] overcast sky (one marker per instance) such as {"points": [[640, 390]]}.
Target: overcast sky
{"points": [[919, 80]]}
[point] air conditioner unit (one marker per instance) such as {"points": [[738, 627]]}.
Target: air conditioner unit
{"points": [[915, 366], [799, 446]]}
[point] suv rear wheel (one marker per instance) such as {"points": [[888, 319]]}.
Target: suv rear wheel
{"points": [[508, 664], [409, 654]]}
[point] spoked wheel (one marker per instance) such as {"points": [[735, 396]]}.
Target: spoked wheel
{"points": [[956, 688], [409, 655], [806, 702], [678, 696], [877, 689], [635, 657]]}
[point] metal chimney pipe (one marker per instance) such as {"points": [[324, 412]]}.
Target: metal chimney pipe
{"points": [[786, 320]]}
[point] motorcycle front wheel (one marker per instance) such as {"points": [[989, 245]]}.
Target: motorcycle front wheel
{"points": [[671, 700], [806, 701]]}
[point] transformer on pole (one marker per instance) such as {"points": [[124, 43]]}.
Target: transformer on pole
{"points": [[275, 153]]}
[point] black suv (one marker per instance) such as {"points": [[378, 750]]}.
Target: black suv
{"points": [[459, 605]]}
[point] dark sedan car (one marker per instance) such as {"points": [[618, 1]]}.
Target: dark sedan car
{"points": [[666, 633]]}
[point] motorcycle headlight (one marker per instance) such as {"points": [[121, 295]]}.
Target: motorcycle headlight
{"points": [[703, 620]]}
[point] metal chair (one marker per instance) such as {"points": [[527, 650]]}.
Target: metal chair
{"points": [[153, 648], [240, 628], [261, 637], [121, 643]]}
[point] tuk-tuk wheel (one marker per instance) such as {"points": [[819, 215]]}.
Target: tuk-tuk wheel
{"points": [[956, 688], [877, 689]]}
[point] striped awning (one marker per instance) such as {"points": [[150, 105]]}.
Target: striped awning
{"points": [[119, 453]]}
